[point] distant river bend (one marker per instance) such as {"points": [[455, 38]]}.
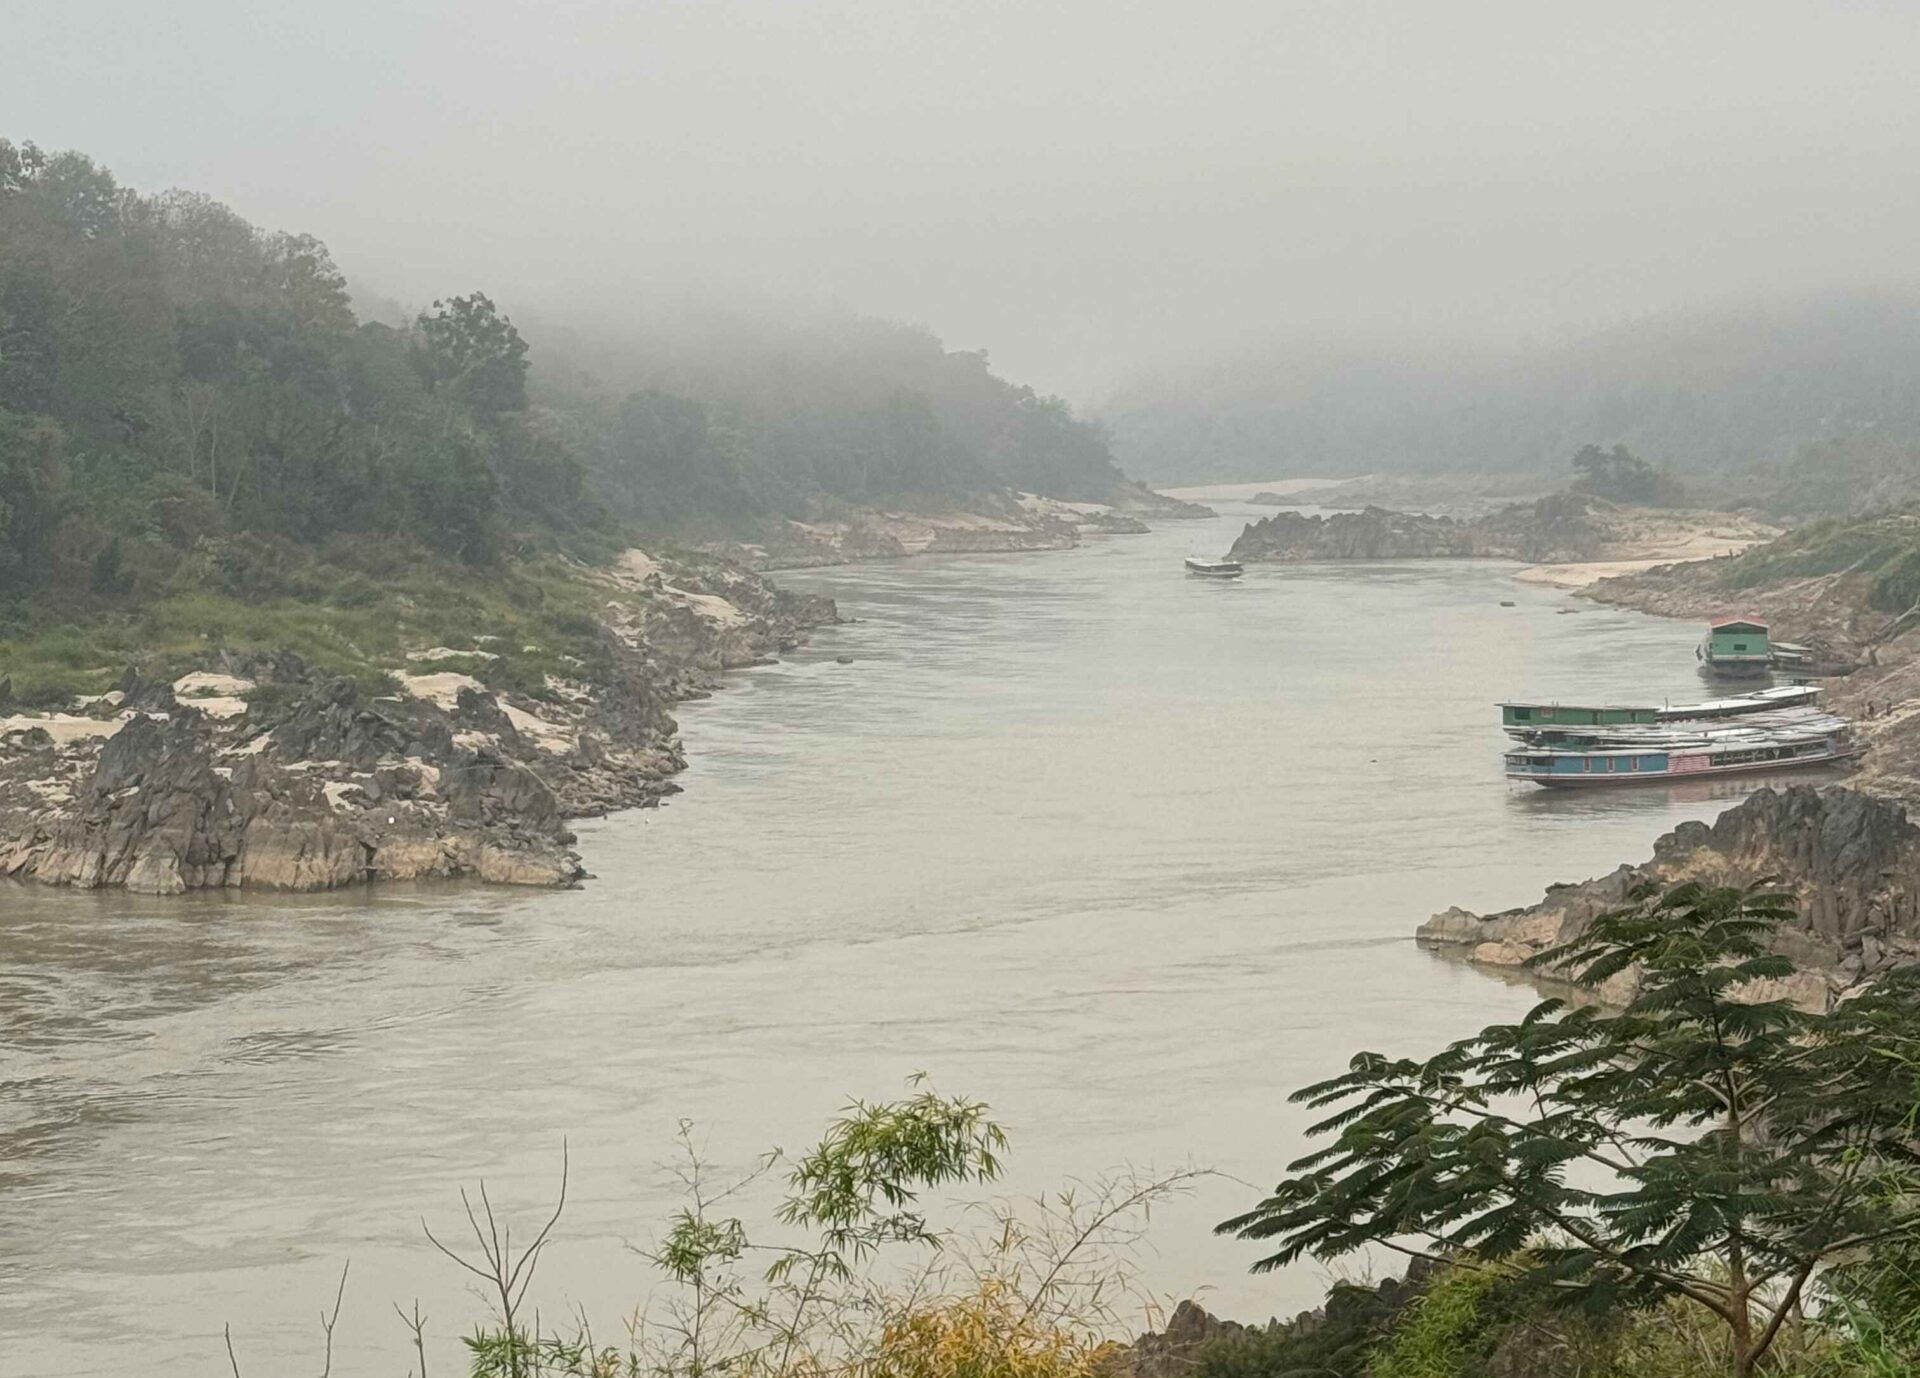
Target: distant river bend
{"points": [[1127, 853]]}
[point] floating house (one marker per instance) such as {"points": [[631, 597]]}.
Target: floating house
{"points": [[1737, 646]]}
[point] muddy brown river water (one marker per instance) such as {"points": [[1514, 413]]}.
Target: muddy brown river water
{"points": [[1126, 853]]}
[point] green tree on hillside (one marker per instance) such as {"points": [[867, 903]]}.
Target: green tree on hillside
{"points": [[1619, 475], [472, 354], [1706, 1143]]}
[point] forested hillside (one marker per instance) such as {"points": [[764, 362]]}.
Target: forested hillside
{"points": [[685, 410], [1782, 395], [189, 403]]}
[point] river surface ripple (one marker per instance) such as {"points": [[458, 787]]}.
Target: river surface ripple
{"points": [[1129, 854]]}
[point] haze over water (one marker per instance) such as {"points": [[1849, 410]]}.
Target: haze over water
{"points": [[1128, 854]]}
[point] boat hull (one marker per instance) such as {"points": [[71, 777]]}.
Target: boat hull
{"points": [[1610, 780]]}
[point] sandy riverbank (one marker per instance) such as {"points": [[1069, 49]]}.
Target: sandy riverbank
{"points": [[1645, 539]]}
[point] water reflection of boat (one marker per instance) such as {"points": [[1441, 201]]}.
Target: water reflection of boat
{"points": [[1215, 569]]}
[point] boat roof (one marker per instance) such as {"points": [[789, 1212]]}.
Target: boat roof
{"points": [[1588, 707], [1802, 719], [1720, 624], [1779, 693]]}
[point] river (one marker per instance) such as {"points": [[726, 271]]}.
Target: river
{"points": [[1128, 854]]}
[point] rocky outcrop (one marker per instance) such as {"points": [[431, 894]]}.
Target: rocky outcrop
{"points": [[1175, 1351], [1557, 528], [1355, 1313], [1851, 861], [320, 785], [1114, 524], [173, 805], [1137, 500]]}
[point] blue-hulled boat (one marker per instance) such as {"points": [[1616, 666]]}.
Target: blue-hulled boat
{"points": [[1681, 758]]}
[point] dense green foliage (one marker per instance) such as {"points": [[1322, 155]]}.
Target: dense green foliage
{"points": [[202, 447], [177, 384], [1756, 398], [1701, 1146], [1883, 550], [776, 414], [865, 1283]]}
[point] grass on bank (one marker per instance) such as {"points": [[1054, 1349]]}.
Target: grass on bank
{"points": [[355, 612], [1884, 548]]}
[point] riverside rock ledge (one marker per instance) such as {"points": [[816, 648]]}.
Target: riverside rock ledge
{"points": [[277, 778], [1850, 860]]}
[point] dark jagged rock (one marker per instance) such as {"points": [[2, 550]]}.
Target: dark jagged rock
{"points": [[486, 787], [1352, 1318], [327, 785], [141, 695], [333, 722], [266, 667], [160, 814], [1851, 861], [482, 713], [1556, 528]]}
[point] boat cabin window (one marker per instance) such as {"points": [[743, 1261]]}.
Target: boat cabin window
{"points": [[1522, 714]]}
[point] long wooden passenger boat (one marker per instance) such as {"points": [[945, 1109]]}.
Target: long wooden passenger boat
{"points": [[1799, 722], [1623, 765], [1521, 719]]}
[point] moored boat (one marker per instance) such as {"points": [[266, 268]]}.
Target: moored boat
{"points": [[1520, 718], [1735, 705], [1795, 721], [1588, 767], [1215, 569], [1524, 719]]}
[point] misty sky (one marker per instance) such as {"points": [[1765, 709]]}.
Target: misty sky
{"points": [[1080, 187]]}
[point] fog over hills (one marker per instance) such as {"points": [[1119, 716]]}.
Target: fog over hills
{"points": [[1083, 188], [1742, 387]]}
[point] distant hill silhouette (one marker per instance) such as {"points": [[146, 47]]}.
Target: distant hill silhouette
{"points": [[1749, 390]]}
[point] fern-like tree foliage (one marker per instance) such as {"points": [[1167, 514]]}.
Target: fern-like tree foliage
{"points": [[1706, 1142]]}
